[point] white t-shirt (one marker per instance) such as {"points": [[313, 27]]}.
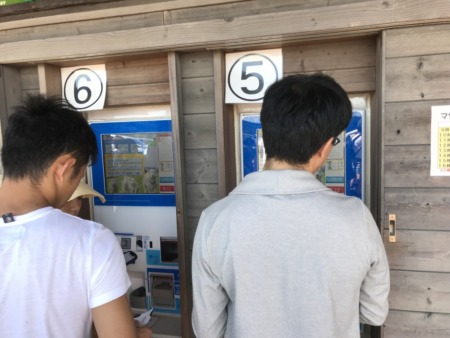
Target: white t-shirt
{"points": [[54, 268]]}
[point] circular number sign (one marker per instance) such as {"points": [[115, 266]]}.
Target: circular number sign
{"points": [[83, 88], [251, 75]]}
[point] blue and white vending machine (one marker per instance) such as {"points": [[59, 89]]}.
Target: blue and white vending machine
{"points": [[135, 173]]}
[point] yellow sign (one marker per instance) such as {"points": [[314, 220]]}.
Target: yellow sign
{"points": [[440, 141]]}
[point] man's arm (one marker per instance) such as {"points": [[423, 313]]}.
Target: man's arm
{"points": [[110, 309], [375, 288], [142, 332], [209, 315], [114, 319]]}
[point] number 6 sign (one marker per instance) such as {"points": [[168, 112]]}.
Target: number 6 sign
{"points": [[249, 74], [84, 87]]}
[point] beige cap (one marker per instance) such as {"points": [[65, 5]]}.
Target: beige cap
{"points": [[84, 190]]}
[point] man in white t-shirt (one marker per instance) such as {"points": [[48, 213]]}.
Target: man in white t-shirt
{"points": [[59, 273]]}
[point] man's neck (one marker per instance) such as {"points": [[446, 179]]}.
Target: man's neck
{"points": [[21, 197], [314, 163], [273, 164]]}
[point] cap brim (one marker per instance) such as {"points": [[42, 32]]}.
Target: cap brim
{"points": [[84, 190]]}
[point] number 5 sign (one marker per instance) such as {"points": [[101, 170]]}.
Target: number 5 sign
{"points": [[84, 87], [249, 74]]}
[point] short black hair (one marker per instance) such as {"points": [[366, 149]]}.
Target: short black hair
{"points": [[300, 113], [40, 130]]}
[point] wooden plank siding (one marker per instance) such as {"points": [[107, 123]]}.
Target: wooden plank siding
{"points": [[37, 14], [417, 77], [142, 81], [350, 62], [138, 81], [174, 66], [70, 28], [284, 24], [229, 11], [422, 77], [29, 80], [420, 291], [200, 146], [420, 250], [409, 122], [10, 94], [410, 324], [419, 208]]}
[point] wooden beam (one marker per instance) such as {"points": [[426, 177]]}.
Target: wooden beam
{"points": [[371, 16], [10, 93], [219, 99], [50, 80], [419, 250], [412, 324], [378, 129], [103, 13], [178, 147]]}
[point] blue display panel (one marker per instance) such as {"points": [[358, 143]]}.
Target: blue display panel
{"points": [[343, 170], [135, 165], [251, 136], [354, 149]]}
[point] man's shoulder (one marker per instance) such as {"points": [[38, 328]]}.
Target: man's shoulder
{"points": [[58, 223]]}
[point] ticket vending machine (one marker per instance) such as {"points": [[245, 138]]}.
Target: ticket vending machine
{"points": [[135, 173]]}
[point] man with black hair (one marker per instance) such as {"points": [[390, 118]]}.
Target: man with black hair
{"points": [[59, 273], [283, 255]]}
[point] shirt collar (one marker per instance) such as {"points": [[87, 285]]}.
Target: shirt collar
{"points": [[279, 182]]}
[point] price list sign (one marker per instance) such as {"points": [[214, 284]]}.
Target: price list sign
{"points": [[440, 141]]}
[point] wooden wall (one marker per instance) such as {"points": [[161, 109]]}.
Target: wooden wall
{"points": [[138, 26], [134, 81], [139, 81], [417, 77], [79, 19], [350, 62], [200, 146], [199, 134]]}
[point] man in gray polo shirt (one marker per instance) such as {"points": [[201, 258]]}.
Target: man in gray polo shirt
{"points": [[283, 255]]}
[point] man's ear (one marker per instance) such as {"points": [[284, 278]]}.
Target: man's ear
{"points": [[62, 165], [325, 149], [320, 156]]}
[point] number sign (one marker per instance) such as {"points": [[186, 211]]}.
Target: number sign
{"points": [[249, 74], [84, 87]]}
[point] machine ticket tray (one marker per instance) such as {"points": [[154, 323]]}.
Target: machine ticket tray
{"points": [[165, 326]]}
